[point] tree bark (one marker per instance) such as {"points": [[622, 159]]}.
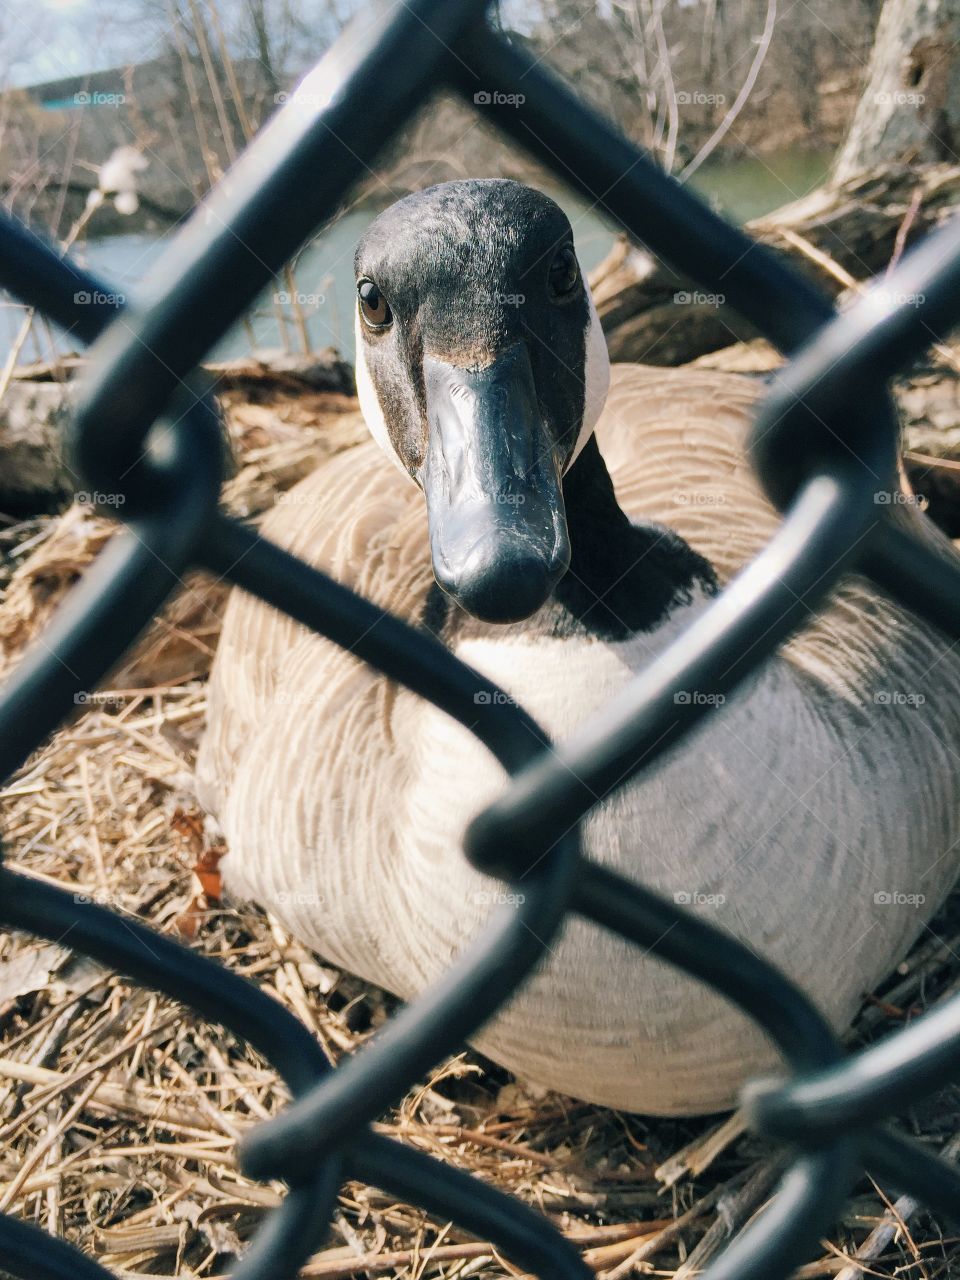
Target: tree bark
{"points": [[910, 108]]}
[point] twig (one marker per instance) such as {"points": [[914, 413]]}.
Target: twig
{"points": [[746, 89], [903, 230], [893, 1222], [700, 1154], [11, 360], [927, 460], [334, 1268], [46, 1051], [481, 1139], [820, 257], [63, 1083], [52, 1136], [669, 1234], [733, 1213]]}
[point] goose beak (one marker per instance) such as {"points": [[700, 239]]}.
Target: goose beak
{"points": [[492, 481]]}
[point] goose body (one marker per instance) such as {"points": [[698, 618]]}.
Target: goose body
{"points": [[813, 815]]}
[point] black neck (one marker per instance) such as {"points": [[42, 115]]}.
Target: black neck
{"points": [[623, 577]]}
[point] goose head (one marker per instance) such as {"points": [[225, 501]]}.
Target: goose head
{"points": [[481, 371]]}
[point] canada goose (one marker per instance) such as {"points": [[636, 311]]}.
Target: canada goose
{"points": [[562, 541]]}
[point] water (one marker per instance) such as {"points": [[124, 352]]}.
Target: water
{"points": [[751, 186], [742, 189]]}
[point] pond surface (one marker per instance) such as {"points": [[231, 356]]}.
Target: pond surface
{"points": [[741, 189]]}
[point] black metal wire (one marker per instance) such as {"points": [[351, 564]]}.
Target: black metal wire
{"points": [[311, 152], [27, 1251], [824, 445], [217, 994], [620, 180], [907, 1167], [880, 1080], [222, 997], [80, 303]]}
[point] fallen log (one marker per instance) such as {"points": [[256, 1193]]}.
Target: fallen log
{"points": [[34, 474], [651, 315], [35, 409]]}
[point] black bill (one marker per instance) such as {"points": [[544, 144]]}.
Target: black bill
{"points": [[491, 478]]}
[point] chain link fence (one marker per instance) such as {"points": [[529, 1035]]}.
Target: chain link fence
{"points": [[146, 428]]}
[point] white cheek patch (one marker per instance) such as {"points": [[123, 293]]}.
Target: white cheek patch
{"points": [[370, 405], [596, 378]]}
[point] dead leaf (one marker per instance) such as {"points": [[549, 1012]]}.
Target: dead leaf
{"points": [[30, 971]]}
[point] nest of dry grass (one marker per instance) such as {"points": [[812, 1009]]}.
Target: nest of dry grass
{"points": [[119, 1111]]}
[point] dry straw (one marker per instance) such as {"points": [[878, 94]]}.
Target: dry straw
{"points": [[119, 1112]]}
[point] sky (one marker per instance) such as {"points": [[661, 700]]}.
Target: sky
{"points": [[48, 39]]}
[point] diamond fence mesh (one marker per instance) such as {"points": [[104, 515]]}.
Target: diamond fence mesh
{"points": [[146, 428]]}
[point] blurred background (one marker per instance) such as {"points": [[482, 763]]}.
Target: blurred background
{"points": [[829, 128], [115, 120]]}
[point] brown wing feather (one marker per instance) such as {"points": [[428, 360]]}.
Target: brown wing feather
{"points": [[674, 441], [361, 522]]}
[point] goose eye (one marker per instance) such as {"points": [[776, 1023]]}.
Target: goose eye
{"points": [[564, 272], [373, 305]]}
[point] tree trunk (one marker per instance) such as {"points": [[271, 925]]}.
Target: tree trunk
{"points": [[910, 109]]}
